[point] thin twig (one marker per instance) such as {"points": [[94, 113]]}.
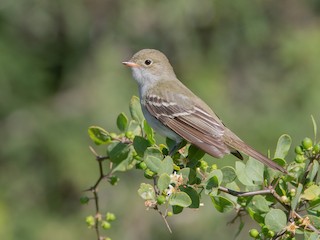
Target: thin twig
{"points": [[94, 190], [164, 217], [244, 194]]}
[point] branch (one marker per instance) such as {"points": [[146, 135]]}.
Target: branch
{"points": [[164, 217], [244, 194], [94, 190]]}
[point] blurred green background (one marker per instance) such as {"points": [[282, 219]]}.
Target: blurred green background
{"points": [[255, 62]]}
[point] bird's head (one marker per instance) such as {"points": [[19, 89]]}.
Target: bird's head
{"points": [[150, 66]]}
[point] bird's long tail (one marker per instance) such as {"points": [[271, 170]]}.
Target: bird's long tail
{"points": [[236, 143]]}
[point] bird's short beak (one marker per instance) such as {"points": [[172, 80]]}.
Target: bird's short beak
{"points": [[131, 64]]}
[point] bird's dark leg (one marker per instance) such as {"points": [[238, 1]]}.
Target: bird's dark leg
{"points": [[174, 149], [176, 146]]}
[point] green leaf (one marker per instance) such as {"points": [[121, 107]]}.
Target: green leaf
{"points": [[180, 199], [241, 225], [280, 161], [214, 179], [122, 122], [193, 194], [276, 220], [117, 151], [124, 165], [283, 146], [260, 204], [233, 186], [98, 135], [229, 174], [146, 191], [140, 144], [189, 174], [149, 132], [212, 183], [177, 209], [315, 221], [255, 215], [166, 166], [163, 182], [254, 169], [153, 163], [314, 170], [283, 187], [222, 204], [311, 192], [296, 198], [311, 236], [134, 127], [242, 175], [153, 151], [153, 158], [217, 173], [170, 143], [315, 203], [314, 128], [135, 110], [194, 155]]}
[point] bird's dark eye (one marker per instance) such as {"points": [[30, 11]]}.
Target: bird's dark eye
{"points": [[147, 62]]}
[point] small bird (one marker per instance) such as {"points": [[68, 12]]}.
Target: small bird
{"points": [[173, 111]]}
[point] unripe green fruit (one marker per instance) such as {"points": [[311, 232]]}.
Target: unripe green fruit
{"points": [[316, 148], [254, 233], [169, 214], [110, 217], [143, 165], [105, 225], [148, 173], [298, 150], [292, 192], [242, 201], [285, 199], [203, 165], [84, 200], [161, 199], [113, 135], [299, 158], [129, 134], [214, 167], [90, 221], [307, 143], [271, 233], [113, 180]]}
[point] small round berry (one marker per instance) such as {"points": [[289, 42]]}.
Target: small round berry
{"points": [[161, 199], [316, 148], [90, 221], [254, 233], [105, 225], [298, 150], [292, 192], [110, 217], [148, 173], [84, 199], [307, 143], [299, 158], [271, 233]]}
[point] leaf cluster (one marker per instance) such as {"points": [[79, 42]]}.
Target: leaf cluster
{"points": [[282, 205]]}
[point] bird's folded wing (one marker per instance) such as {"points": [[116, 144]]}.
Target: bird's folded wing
{"points": [[190, 121]]}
